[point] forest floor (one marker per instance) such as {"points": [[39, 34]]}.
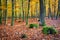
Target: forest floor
{"points": [[8, 32]]}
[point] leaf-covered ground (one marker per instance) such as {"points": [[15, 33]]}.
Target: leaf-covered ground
{"points": [[15, 32]]}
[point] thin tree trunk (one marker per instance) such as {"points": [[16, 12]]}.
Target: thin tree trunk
{"points": [[36, 9], [5, 18], [15, 11], [55, 8], [19, 15], [0, 12], [49, 13], [42, 14], [28, 12], [12, 21], [44, 8], [31, 12], [22, 11], [58, 9]]}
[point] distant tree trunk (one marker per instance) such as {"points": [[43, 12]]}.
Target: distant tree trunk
{"points": [[19, 15], [15, 11], [31, 12], [0, 12], [42, 14], [44, 8], [28, 12], [55, 8], [58, 9], [49, 13], [36, 9], [22, 11], [12, 22], [5, 18]]}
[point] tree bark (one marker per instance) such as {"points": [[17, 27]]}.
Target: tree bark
{"points": [[0, 12], [28, 12], [12, 21], [22, 11], [49, 13], [58, 10], [42, 14], [5, 18]]}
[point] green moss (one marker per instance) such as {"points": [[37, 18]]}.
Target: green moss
{"points": [[33, 25]]}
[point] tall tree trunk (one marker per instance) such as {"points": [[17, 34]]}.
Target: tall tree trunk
{"points": [[49, 13], [20, 15], [5, 18], [0, 11], [22, 11], [58, 9], [28, 12], [12, 21], [44, 8], [36, 9], [55, 8], [42, 14], [15, 11], [31, 13]]}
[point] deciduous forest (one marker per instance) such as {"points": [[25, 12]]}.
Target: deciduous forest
{"points": [[29, 19]]}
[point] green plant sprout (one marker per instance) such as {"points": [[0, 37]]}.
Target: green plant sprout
{"points": [[49, 30], [33, 25]]}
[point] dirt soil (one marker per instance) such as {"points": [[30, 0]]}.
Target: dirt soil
{"points": [[8, 32]]}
